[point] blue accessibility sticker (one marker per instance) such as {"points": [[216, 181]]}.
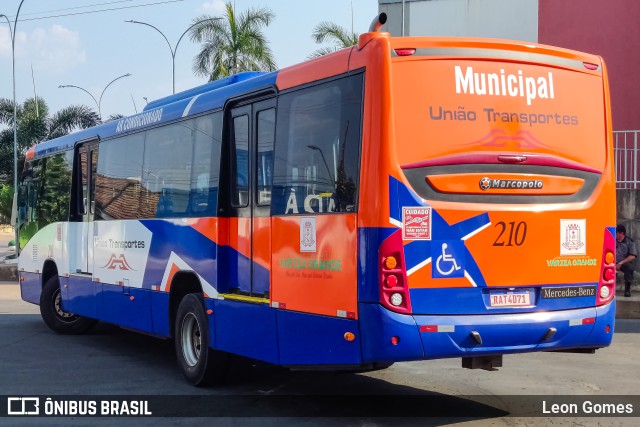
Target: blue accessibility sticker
{"points": [[447, 258]]}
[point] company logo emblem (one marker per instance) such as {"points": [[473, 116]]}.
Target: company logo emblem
{"points": [[487, 183], [23, 406], [118, 263]]}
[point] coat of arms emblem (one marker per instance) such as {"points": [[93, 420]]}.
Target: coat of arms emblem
{"points": [[573, 237]]}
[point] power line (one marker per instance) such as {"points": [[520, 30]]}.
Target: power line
{"points": [[75, 7], [100, 10]]}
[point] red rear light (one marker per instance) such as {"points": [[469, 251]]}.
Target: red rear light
{"points": [[391, 281], [607, 283], [407, 51], [590, 66], [394, 292], [609, 274]]}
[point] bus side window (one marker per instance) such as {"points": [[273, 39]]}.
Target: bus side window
{"points": [[205, 174], [118, 176], [266, 134], [240, 161], [317, 151], [22, 203]]}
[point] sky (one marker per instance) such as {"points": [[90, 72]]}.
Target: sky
{"points": [[93, 45]]}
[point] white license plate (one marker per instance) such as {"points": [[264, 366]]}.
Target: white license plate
{"points": [[509, 299]]}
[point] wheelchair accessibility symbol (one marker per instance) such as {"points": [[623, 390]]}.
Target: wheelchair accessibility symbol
{"points": [[448, 259]]}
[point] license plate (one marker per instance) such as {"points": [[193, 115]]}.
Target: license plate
{"points": [[509, 299]]}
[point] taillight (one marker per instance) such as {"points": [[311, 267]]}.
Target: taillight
{"points": [[394, 293], [407, 51], [607, 283]]}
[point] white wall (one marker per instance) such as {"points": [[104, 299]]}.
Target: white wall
{"points": [[510, 19]]}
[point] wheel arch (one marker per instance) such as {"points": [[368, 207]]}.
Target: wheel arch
{"points": [[49, 269], [182, 284]]}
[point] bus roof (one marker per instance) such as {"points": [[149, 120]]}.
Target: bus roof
{"points": [[210, 96], [214, 95]]}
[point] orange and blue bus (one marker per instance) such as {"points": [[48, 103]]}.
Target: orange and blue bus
{"points": [[402, 199]]}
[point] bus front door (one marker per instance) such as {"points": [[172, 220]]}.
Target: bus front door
{"points": [[251, 170], [80, 292], [87, 164]]}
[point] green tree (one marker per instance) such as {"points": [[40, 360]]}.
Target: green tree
{"points": [[232, 44], [55, 191], [36, 125], [6, 203], [338, 36]]}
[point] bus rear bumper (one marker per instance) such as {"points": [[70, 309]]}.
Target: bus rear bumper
{"points": [[433, 337]]}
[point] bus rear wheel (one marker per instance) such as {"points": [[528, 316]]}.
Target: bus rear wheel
{"points": [[54, 315], [200, 364]]}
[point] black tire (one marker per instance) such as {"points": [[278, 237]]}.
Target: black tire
{"points": [[200, 364], [55, 317]]}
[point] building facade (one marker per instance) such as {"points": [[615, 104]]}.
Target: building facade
{"points": [[606, 28]]}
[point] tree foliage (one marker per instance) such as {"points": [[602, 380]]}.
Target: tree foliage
{"points": [[6, 203], [36, 125], [232, 43], [338, 36]]}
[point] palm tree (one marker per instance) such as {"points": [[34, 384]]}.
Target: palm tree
{"points": [[35, 125], [232, 43], [328, 31]]}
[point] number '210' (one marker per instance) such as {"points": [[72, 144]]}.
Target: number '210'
{"points": [[517, 233]]}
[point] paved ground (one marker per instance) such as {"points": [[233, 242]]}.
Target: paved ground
{"points": [[112, 361], [6, 234], [11, 302]]}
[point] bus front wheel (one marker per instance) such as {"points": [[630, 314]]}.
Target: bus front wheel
{"points": [[199, 363], [55, 317]]}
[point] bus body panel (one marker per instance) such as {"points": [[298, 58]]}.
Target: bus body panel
{"points": [[30, 286], [455, 106], [432, 337], [159, 310], [179, 245], [480, 268], [314, 264], [82, 295], [47, 244], [245, 329], [467, 300], [308, 339], [315, 69], [503, 121], [440, 133], [127, 306], [575, 166]]}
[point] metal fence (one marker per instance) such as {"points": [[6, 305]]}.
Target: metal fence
{"points": [[627, 155]]}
